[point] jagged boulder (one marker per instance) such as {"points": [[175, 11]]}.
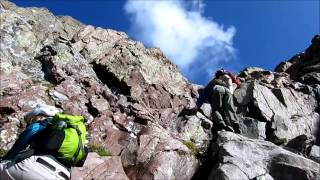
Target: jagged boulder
{"points": [[252, 128], [96, 167], [165, 159], [244, 158], [305, 66], [289, 111], [315, 153]]}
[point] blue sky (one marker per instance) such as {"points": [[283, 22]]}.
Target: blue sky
{"points": [[201, 36]]}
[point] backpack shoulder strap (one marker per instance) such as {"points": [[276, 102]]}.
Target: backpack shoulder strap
{"points": [[80, 144]]}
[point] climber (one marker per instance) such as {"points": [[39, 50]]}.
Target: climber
{"points": [[220, 93], [35, 154]]}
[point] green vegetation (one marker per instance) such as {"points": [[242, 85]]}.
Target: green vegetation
{"points": [[280, 141], [35, 81], [3, 152], [98, 149], [190, 145], [182, 153], [47, 84]]}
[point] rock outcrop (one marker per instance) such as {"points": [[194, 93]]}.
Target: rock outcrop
{"points": [[100, 168], [305, 66], [138, 105], [244, 158], [130, 95], [288, 108]]}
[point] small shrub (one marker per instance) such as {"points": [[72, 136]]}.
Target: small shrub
{"points": [[281, 141], [98, 149], [48, 85], [3, 153], [190, 145], [182, 153]]}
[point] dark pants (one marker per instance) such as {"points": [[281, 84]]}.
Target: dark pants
{"points": [[223, 110]]}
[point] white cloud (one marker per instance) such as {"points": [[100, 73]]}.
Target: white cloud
{"points": [[184, 34]]}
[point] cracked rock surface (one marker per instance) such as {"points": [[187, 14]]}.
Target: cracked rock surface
{"points": [[138, 105], [244, 158]]}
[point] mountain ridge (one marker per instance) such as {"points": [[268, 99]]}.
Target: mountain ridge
{"points": [[137, 104]]}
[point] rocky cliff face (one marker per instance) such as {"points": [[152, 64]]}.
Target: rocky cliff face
{"points": [[137, 104]]}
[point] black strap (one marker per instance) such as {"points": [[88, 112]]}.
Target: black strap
{"points": [[22, 155], [80, 146]]}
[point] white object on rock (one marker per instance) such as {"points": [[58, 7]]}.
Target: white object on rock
{"points": [[42, 109]]}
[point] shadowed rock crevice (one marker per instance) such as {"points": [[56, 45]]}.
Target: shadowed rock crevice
{"points": [[278, 94], [141, 120], [269, 132], [48, 67], [254, 112], [6, 110], [204, 171], [117, 86], [92, 110], [211, 161]]}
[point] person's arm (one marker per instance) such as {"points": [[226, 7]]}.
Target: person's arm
{"points": [[203, 95], [24, 139]]}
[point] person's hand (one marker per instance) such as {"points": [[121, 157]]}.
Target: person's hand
{"points": [[195, 109]]}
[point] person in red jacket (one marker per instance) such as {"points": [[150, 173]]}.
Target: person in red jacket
{"points": [[233, 78], [220, 93]]}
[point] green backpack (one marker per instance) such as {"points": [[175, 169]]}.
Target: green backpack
{"points": [[67, 138]]}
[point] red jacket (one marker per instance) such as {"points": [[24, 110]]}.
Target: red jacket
{"points": [[234, 79]]}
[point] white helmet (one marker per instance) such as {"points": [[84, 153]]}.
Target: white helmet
{"points": [[41, 110]]}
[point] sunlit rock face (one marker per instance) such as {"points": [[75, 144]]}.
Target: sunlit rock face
{"points": [[138, 105]]}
